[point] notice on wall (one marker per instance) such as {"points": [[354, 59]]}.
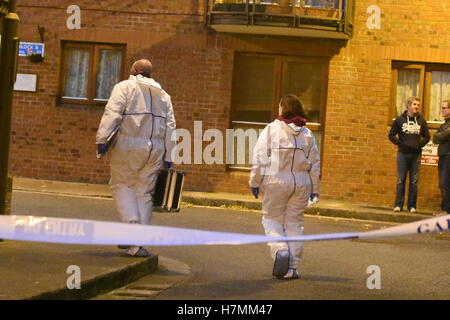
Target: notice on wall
{"points": [[27, 48], [430, 155], [25, 82]]}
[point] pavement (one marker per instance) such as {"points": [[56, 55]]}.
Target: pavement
{"points": [[33, 270]]}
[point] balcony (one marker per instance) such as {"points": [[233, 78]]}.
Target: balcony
{"points": [[332, 19]]}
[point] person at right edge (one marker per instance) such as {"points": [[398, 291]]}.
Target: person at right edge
{"points": [[442, 137], [286, 168], [413, 135]]}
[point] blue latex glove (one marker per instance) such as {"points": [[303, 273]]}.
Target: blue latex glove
{"points": [[255, 192], [167, 165], [314, 197], [101, 149]]}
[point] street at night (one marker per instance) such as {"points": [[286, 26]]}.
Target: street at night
{"points": [[411, 267]]}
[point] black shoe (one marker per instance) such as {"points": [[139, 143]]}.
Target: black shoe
{"points": [[136, 251], [281, 264]]}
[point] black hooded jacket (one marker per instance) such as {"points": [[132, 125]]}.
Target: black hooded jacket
{"points": [[412, 133]]}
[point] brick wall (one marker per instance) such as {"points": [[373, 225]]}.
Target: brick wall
{"points": [[195, 66], [359, 160]]}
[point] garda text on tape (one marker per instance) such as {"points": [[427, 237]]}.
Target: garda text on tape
{"points": [[75, 231]]}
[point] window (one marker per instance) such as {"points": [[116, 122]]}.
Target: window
{"points": [[90, 71], [430, 82], [259, 82]]}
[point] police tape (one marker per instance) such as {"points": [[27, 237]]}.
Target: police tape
{"points": [[90, 232]]}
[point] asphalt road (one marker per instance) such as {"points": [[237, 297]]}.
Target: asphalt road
{"points": [[413, 267]]}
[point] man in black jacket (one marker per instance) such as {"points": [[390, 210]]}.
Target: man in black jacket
{"points": [[413, 134], [442, 137]]}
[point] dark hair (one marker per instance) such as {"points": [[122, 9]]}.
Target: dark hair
{"points": [[290, 105]]}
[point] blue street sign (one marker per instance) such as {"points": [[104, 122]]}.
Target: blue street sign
{"points": [[27, 48]]}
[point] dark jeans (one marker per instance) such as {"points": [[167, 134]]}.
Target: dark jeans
{"points": [[444, 181], [407, 162]]}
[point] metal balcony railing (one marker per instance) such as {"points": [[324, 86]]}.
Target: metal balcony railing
{"points": [[303, 18]]}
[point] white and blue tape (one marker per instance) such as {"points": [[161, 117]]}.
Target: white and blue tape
{"points": [[74, 231]]}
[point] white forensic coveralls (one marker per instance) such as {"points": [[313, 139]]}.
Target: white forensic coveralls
{"points": [[144, 112], [286, 168]]}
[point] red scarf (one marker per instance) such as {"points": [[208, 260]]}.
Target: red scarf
{"points": [[295, 118]]}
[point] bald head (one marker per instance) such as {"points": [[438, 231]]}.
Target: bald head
{"points": [[143, 67]]}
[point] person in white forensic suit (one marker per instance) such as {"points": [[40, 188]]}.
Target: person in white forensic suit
{"points": [[143, 112], [286, 170]]}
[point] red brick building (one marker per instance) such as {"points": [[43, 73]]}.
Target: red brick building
{"points": [[227, 64]]}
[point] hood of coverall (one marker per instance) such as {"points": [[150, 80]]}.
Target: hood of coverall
{"points": [[149, 82], [290, 128]]}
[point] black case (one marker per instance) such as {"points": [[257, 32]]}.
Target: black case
{"points": [[168, 190]]}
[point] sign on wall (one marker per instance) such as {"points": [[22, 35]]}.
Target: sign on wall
{"points": [[25, 82], [430, 155], [27, 48]]}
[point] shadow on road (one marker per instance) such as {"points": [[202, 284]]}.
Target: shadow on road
{"points": [[324, 279], [248, 289]]}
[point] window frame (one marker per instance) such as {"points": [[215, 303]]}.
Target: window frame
{"points": [[313, 126], [277, 85], [426, 70], [279, 64], [427, 94], [94, 49]]}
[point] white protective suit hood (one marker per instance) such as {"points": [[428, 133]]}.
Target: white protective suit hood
{"points": [[292, 128], [149, 82]]}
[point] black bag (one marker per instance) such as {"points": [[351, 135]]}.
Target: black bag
{"points": [[168, 190]]}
